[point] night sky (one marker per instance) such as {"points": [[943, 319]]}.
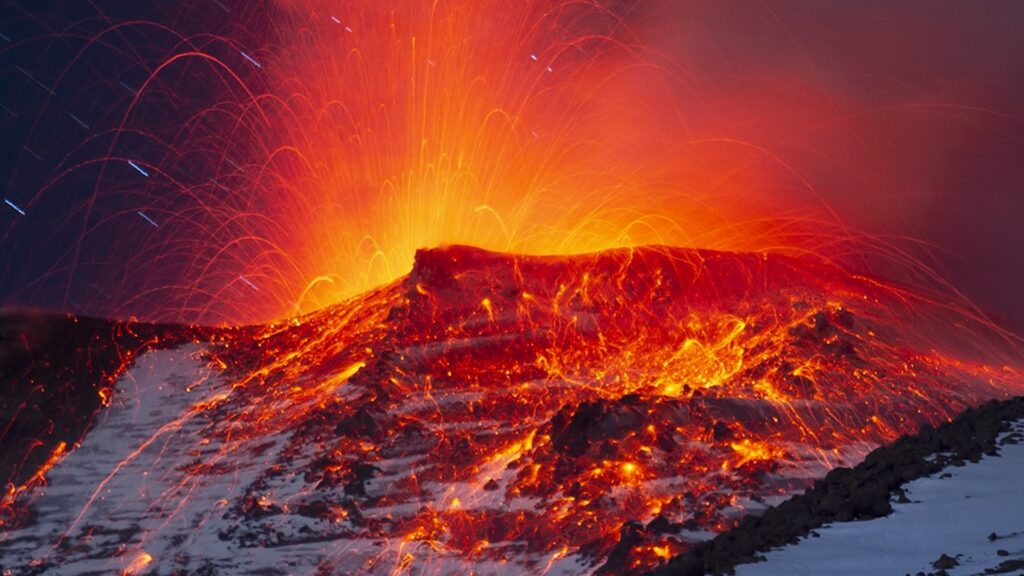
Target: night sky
{"points": [[931, 162]]}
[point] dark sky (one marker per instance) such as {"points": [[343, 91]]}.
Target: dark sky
{"points": [[923, 144]]}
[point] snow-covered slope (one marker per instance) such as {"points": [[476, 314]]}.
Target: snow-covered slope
{"points": [[130, 480], [104, 497], [954, 512]]}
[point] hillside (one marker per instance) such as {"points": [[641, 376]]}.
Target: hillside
{"points": [[503, 414]]}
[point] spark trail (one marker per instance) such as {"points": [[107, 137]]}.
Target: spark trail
{"points": [[503, 414], [312, 146]]}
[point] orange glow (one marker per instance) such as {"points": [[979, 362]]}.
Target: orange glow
{"points": [[438, 123], [371, 130], [138, 564], [754, 451], [38, 479], [105, 395]]}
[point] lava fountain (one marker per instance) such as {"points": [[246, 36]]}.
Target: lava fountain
{"points": [[265, 159]]}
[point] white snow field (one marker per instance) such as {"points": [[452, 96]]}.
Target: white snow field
{"points": [[101, 496], [152, 488], [952, 512]]}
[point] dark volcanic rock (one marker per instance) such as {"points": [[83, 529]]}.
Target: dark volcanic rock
{"points": [[861, 492], [632, 533], [355, 480], [575, 430], [945, 562]]}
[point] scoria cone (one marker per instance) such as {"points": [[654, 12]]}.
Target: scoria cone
{"points": [[504, 414]]}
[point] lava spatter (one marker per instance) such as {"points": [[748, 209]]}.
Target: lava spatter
{"points": [[500, 413]]}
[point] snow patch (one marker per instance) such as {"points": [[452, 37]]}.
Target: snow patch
{"points": [[952, 512]]}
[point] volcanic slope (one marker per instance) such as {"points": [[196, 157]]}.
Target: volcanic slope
{"points": [[506, 414]]}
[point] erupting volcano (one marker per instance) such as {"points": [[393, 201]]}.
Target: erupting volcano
{"points": [[471, 286], [491, 413]]}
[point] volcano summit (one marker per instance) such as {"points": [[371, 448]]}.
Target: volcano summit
{"points": [[499, 414]]}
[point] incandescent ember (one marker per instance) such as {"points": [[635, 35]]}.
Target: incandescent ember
{"points": [[579, 413]]}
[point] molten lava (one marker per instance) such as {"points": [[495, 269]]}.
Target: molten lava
{"points": [[532, 414]]}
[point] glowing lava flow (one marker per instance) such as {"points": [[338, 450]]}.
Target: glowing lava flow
{"points": [[521, 414]]}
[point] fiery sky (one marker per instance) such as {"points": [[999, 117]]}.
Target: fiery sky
{"points": [[881, 133]]}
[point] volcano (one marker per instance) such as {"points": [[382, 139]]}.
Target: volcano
{"points": [[487, 413]]}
